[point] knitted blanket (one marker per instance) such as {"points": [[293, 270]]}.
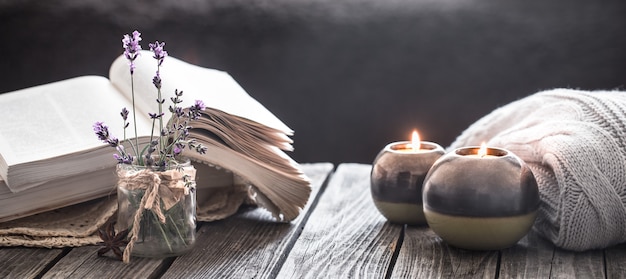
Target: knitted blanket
{"points": [[575, 144]]}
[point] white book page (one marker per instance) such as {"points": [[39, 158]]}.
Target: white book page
{"points": [[217, 89], [56, 119]]}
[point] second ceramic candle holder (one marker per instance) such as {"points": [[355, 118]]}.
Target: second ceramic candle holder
{"points": [[477, 201]]}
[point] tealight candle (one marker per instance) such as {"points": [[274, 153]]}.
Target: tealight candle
{"points": [[397, 177], [480, 198]]}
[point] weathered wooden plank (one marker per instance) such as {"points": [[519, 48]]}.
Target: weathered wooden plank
{"points": [[248, 245], [530, 258], [568, 264], [83, 262], [345, 237], [615, 258], [425, 255], [20, 262]]}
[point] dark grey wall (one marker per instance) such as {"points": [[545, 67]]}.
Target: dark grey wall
{"points": [[348, 77]]}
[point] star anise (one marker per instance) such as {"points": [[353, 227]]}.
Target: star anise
{"points": [[112, 241]]}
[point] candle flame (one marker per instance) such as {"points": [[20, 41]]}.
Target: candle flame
{"points": [[415, 141], [482, 152]]}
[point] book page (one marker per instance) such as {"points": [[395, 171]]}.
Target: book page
{"points": [[56, 119], [217, 89]]}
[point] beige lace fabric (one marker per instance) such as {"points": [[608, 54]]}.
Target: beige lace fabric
{"points": [[77, 225], [70, 226], [575, 144]]}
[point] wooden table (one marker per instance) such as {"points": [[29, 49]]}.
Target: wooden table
{"points": [[340, 234]]}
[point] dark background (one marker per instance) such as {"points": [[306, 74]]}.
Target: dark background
{"points": [[348, 77]]}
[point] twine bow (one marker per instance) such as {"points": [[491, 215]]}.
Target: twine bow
{"points": [[165, 187]]}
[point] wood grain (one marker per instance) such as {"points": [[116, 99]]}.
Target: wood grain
{"points": [[20, 262], [530, 258], [569, 264], [248, 245], [339, 234], [425, 255], [346, 236], [615, 258], [83, 262]]}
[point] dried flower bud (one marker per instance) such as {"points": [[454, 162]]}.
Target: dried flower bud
{"points": [[157, 81], [159, 52], [155, 115], [177, 150], [132, 48], [102, 131], [124, 114]]}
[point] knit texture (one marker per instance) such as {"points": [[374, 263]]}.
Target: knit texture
{"points": [[575, 144]]}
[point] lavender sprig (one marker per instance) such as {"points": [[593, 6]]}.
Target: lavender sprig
{"points": [[159, 55], [159, 52], [102, 131], [179, 128], [173, 138], [132, 50]]}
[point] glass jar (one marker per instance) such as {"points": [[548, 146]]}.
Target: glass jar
{"points": [[158, 208]]}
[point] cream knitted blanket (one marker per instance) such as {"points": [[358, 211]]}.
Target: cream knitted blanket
{"points": [[575, 144]]}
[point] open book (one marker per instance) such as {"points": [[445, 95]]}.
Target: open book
{"points": [[50, 156]]}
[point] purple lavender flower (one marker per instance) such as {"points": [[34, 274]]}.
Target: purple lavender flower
{"points": [[172, 139], [159, 52], [199, 105], [151, 148], [157, 81], [124, 113], [201, 149], [194, 111], [102, 131], [132, 48], [114, 142], [176, 99], [118, 158], [179, 112], [177, 150], [185, 132], [123, 159], [193, 144], [155, 115]]}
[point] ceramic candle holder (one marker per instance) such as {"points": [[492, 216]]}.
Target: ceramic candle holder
{"points": [[480, 202], [397, 177]]}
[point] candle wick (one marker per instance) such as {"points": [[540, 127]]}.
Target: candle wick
{"points": [[415, 147]]}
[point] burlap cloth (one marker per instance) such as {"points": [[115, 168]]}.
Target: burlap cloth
{"points": [[77, 225]]}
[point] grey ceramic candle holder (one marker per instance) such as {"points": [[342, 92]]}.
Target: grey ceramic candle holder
{"points": [[480, 203], [396, 180]]}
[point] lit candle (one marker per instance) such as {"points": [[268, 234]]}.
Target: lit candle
{"points": [[414, 146], [397, 176], [481, 152], [480, 198]]}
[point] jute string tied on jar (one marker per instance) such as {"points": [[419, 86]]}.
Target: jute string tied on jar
{"points": [[167, 187]]}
